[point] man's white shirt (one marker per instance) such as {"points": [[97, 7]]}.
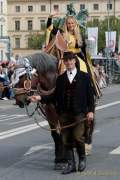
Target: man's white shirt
{"points": [[71, 74]]}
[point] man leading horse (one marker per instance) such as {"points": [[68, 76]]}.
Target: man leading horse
{"points": [[74, 102]]}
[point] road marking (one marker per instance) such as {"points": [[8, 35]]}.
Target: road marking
{"points": [[7, 115], [34, 149], [19, 122], [115, 151], [20, 130], [23, 129], [10, 117], [48, 146], [7, 119], [107, 105], [2, 115]]}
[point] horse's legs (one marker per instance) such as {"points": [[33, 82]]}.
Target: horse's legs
{"points": [[59, 147], [52, 120]]}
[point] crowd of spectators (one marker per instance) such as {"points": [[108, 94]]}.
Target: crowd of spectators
{"points": [[6, 71], [106, 70]]}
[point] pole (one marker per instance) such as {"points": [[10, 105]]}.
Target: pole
{"points": [[109, 39], [108, 9], [50, 6], [114, 7]]}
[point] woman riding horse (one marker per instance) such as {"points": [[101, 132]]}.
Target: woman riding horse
{"points": [[70, 31]]}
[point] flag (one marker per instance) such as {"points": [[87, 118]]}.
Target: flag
{"points": [[92, 40], [110, 40]]}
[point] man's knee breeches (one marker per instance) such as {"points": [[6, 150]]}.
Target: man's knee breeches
{"points": [[75, 134]]}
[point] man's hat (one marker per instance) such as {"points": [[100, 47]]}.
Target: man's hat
{"points": [[69, 55]]}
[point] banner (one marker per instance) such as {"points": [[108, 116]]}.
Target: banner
{"points": [[110, 40], [92, 40]]}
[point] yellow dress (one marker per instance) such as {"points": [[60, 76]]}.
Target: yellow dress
{"points": [[71, 40], [71, 47]]}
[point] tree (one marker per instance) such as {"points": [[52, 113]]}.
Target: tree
{"points": [[36, 41]]}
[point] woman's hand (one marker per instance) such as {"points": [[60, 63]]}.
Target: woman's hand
{"points": [[54, 14], [34, 98]]}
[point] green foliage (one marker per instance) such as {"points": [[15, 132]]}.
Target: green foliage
{"points": [[114, 24], [36, 41]]}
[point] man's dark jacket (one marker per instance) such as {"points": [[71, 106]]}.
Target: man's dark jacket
{"points": [[83, 100]]}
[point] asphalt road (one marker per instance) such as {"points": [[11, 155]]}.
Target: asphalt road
{"points": [[27, 151]]}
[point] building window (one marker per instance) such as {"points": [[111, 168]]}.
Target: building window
{"points": [[68, 6], [109, 6], [1, 7], [1, 30], [17, 42], [30, 25], [43, 8], [82, 6], [96, 6], [17, 8], [56, 7], [30, 8], [42, 25], [17, 25]]}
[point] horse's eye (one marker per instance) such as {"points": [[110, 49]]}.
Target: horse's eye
{"points": [[21, 77]]}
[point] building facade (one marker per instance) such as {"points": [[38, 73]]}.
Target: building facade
{"points": [[26, 17], [4, 39]]}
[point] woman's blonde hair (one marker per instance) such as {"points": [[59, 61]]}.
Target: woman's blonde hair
{"points": [[76, 30]]}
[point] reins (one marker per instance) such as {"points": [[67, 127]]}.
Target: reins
{"points": [[41, 112]]}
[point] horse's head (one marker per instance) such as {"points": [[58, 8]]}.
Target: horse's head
{"points": [[25, 86], [42, 83]]}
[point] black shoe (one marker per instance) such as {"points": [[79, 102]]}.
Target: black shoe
{"points": [[69, 169], [82, 164]]}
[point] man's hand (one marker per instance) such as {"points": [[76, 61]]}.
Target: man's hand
{"points": [[90, 117], [34, 98]]}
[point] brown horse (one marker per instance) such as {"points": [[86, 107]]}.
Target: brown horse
{"points": [[40, 82], [43, 80]]}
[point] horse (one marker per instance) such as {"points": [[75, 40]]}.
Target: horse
{"points": [[43, 80], [40, 79]]}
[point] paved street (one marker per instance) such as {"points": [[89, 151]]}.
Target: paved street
{"points": [[27, 151]]}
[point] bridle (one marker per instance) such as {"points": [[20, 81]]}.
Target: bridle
{"points": [[27, 88]]}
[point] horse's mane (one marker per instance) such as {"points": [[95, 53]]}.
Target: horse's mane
{"points": [[42, 62]]}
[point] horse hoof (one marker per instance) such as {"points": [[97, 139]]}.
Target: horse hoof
{"points": [[88, 149]]}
